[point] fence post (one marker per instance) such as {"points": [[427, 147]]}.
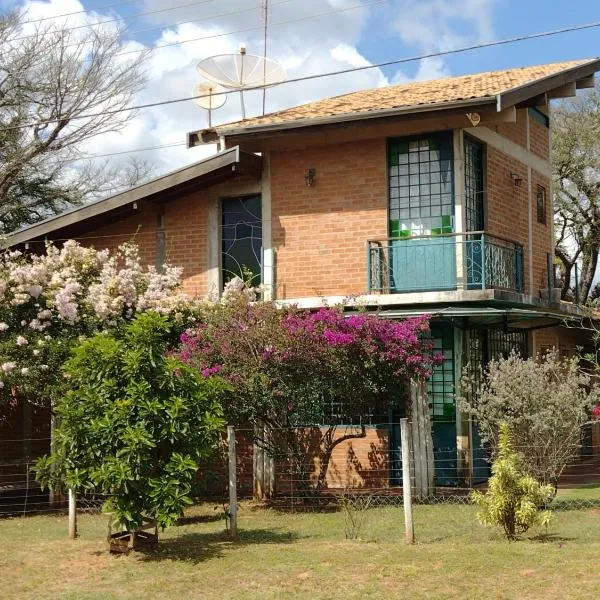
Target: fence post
{"points": [[232, 482], [406, 483], [72, 515]]}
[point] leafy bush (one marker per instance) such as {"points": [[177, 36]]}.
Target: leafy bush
{"points": [[543, 400], [513, 497], [48, 302], [134, 424], [292, 369]]}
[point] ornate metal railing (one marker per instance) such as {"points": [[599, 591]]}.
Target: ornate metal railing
{"points": [[455, 261]]}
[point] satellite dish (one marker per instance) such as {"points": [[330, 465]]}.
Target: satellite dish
{"points": [[210, 96], [241, 71]]}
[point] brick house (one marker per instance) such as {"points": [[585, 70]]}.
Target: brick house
{"points": [[429, 197]]}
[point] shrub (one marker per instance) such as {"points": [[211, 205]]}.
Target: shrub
{"points": [[134, 424], [544, 401], [513, 497], [48, 302], [291, 369]]}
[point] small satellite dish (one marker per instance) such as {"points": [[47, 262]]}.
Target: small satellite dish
{"points": [[241, 71], [210, 96]]}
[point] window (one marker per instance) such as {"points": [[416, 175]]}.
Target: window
{"points": [[241, 235], [541, 204], [421, 186], [539, 116]]}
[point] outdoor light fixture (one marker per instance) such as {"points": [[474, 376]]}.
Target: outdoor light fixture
{"points": [[310, 176], [517, 179]]}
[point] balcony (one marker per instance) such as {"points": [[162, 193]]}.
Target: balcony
{"points": [[444, 262]]}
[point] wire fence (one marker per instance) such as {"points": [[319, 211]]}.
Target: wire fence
{"points": [[353, 475]]}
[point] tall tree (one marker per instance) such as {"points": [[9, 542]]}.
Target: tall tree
{"points": [[59, 88], [576, 163]]}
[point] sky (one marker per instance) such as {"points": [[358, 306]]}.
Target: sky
{"points": [[309, 37]]}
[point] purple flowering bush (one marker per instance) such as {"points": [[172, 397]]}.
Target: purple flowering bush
{"points": [[287, 368]]}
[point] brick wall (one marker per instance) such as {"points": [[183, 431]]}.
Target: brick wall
{"points": [[507, 207], [320, 232], [539, 139], [516, 132]]}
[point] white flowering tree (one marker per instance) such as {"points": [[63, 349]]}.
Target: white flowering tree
{"points": [[51, 301]]}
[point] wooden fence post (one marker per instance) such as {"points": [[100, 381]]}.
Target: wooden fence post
{"points": [[232, 482], [72, 515], [406, 483]]}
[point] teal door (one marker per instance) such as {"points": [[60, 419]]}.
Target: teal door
{"points": [[421, 196], [441, 390]]}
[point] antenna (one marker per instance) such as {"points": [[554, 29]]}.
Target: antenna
{"points": [[240, 71], [211, 96], [263, 7]]}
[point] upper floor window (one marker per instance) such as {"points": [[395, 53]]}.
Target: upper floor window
{"points": [[241, 239], [541, 204]]}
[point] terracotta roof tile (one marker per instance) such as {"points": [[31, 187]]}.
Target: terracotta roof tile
{"points": [[450, 89]]}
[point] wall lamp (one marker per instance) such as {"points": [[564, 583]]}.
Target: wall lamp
{"points": [[310, 176], [517, 179]]}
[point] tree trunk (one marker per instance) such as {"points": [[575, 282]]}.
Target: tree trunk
{"points": [[330, 443], [590, 262]]}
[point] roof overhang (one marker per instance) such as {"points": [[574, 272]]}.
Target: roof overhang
{"points": [[535, 93], [205, 173], [509, 319]]}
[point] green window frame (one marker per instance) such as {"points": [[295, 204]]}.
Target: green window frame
{"points": [[421, 185]]}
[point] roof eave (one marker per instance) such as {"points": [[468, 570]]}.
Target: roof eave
{"points": [[521, 93], [229, 160], [212, 135]]}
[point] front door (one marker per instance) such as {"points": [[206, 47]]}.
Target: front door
{"points": [[421, 197]]}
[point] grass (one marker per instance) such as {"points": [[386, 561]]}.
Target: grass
{"points": [[304, 555]]}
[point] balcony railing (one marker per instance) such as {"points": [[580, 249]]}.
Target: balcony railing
{"points": [[454, 261]]}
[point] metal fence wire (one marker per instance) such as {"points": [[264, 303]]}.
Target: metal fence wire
{"points": [[353, 474]]}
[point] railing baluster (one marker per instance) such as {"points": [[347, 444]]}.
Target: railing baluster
{"points": [[483, 261]]}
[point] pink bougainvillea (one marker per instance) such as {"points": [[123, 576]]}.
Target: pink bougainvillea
{"points": [[596, 412]]}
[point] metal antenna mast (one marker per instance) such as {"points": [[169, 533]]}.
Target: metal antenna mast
{"points": [[263, 7]]}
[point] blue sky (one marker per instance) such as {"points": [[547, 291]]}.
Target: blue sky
{"points": [[361, 32]]}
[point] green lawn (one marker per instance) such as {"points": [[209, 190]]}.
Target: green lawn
{"points": [[304, 555]]}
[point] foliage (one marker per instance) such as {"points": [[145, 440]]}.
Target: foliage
{"points": [[48, 302], [576, 163], [513, 497], [290, 368], [134, 424], [354, 507], [61, 87], [543, 400]]}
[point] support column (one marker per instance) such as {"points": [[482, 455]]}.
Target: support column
{"points": [[463, 433], [460, 208], [422, 441]]}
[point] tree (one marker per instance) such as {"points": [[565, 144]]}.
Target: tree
{"points": [[544, 401], [59, 89], [291, 369], [134, 424], [48, 302], [513, 497], [576, 164]]}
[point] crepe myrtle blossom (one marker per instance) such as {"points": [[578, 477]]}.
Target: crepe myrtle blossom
{"points": [[67, 293]]}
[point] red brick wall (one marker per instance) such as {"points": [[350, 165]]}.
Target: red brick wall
{"points": [[320, 232], [542, 234], [516, 132], [539, 139], [507, 206]]}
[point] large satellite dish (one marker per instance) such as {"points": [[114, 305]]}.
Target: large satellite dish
{"points": [[241, 71], [210, 96]]}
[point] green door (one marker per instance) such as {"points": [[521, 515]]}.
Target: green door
{"points": [[421, 197]]}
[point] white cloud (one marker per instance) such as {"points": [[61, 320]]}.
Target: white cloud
{"points": [[308, 45], [440, 25]]}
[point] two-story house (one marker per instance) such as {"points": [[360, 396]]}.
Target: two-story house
{"points": [[428, 197]]}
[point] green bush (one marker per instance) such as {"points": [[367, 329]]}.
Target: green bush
{"points": [[514, 498], [134, 424]]}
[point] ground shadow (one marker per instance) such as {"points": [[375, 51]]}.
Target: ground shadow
{"points": [[199, 547], [193, 520]]}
